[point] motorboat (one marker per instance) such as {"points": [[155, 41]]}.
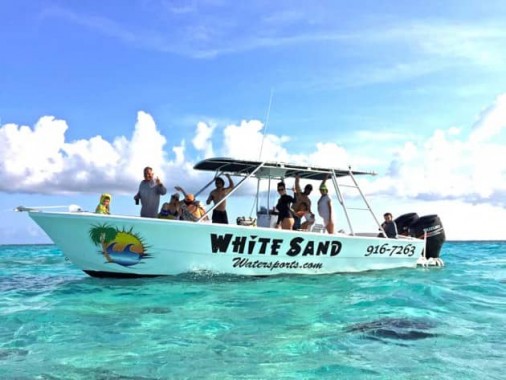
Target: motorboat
{"points": [[131, 246]]}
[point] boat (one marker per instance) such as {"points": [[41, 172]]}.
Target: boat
{"points": [[131, 246]]}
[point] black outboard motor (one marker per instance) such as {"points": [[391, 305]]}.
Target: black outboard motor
{"points": [[404, 221], [432, 226]]}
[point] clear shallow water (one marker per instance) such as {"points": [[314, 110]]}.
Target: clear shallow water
{"points": [[444, 323]]}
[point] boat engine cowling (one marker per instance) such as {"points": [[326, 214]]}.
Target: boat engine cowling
{"points": [[412, 225], [404, 221], [432, 227]]}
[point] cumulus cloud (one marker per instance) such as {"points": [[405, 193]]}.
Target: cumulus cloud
{"points": [[329, 154], [246, 141], [451, 164], [32, 156], [38, 160], [202, 140]]}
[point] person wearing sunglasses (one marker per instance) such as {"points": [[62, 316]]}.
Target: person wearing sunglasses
{"points": [[285, 213]]}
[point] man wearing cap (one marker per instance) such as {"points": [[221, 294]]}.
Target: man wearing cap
{"points": [[325, 207]]}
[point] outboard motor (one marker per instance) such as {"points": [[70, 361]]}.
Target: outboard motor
{"points": [[432, 226], [404, 221]]}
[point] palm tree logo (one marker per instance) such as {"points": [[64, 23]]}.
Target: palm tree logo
{"points": [[118, 246]]}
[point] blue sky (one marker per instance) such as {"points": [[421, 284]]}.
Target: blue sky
{"points": [[93, 91]]}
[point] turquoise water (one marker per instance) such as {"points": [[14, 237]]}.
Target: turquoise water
{"points": [[444, 323]]}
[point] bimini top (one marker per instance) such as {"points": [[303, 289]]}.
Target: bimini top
{"points": [[267, 169]]}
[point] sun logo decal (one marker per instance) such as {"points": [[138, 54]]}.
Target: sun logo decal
{"points": [[118, 246]]}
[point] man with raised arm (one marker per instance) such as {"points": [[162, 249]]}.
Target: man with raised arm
{"points": [[149, 193], [219, 193], [302, 206]]}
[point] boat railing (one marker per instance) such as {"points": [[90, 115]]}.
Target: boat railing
{"points": [[270, 171], [338, 186], [236, 187]]}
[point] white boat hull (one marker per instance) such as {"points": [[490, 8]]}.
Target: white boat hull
{"points": [[126, 246]]}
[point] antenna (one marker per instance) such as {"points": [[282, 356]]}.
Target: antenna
{"points": [[266, 123], [255, 202]]}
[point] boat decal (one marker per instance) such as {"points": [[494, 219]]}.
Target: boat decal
{"points": [[389, 250], [123, 247], [242, 262], [252, 244]]}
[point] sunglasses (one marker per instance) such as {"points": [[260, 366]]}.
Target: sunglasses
{"points": [[281, 189]]}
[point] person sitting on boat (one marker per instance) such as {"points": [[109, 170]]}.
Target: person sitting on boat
{"points": [[302, 206], [217, 196], [149, 193], [325, 207], [388, 226], [171, 210], [103, 206], [191, 209], [285, 215]]}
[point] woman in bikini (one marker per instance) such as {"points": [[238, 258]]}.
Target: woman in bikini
{"points": [[171, 210], [285, 214]]}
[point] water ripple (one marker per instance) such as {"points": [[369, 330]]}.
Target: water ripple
{"points": [[445, 323]]}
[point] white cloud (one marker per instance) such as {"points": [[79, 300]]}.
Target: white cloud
{"points": [[39, 160], [202, 140], [146, 146], [449, 165], [452, 165], [246, 141], [491, 122], [478, 44], [179, 152], [329, 154], [32, 157]]}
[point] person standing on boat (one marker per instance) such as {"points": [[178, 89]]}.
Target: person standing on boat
{"points": [[149, 193], [325, 207], [389, 226], [285, 212], [217, 196], [302, 206]]}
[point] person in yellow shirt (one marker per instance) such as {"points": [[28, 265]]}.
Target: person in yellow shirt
{"points": [[103, 206]]}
